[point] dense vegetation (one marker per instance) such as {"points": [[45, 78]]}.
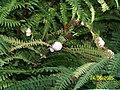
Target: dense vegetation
{"points": [[26, 62]]}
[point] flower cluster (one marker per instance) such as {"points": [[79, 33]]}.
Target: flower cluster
{"points": [[100, 44], [57, 46]]}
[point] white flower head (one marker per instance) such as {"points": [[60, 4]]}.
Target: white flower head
{"points": [[28, 32], [111, 53], [101, 42], [82, 23], [56, 46]]}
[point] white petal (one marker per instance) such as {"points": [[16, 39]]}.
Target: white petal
{"points": [[101, 42], [28, 32], [82, 23], [57, 46], [51, 50]]}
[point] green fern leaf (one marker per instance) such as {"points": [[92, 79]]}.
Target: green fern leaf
{"points": [[82, 69], [115, 42], [114, 66], [28, 44], [91, 9], [77, 7], [64, 81], [18, 57], [104, 5], [92, 71], [87, 51], [6, 83], [11, 40], [117, 4], [111, 84], [63, 9], [39, 83]]}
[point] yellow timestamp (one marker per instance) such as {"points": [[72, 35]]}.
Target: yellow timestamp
{"points": [[101, 78]]}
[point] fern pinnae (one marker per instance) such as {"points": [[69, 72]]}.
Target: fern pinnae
{"points": [[36, 83], [64, 81], [111, 84], [11, 40], [9, 22], [19, 5], [94, 69], [82, 69], [5, 12], [104, 5], [8, 71], [28, 44], [63, 9], [87, 50], [6, 83], [114, 65], [19, 57], [4, 76], [49, 69], [117, 3], [79, 11], [6, 9], [91, 9]]}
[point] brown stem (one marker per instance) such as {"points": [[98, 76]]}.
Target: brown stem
{"points": [[69, 35]]}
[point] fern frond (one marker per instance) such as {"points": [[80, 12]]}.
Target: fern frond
{"points": [[3, 47], [11, 40], [4, 76], [106, 17], [117, 3], [2, 62], [49, 21], [46, 29], [87, 50], [9, 22], [34, 83], [76, 6], [104, 5], [30, 4], [91, 9], [92, 71], [6, 83], [10, 70], [18, 5], [18, 57], [114, 66], [111, 84], [63, 59], [33, 21], [28, 44], [64, 81], [115, 42], [82, 69], [49, 69], [6, 9], [63, 9]]}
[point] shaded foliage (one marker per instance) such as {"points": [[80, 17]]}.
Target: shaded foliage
{"points": [[26, 62]]}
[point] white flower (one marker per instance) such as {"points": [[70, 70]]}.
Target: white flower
{"points": [[82, 23], [111, 53], [56, 46], [101, 43], [28, 32]]}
